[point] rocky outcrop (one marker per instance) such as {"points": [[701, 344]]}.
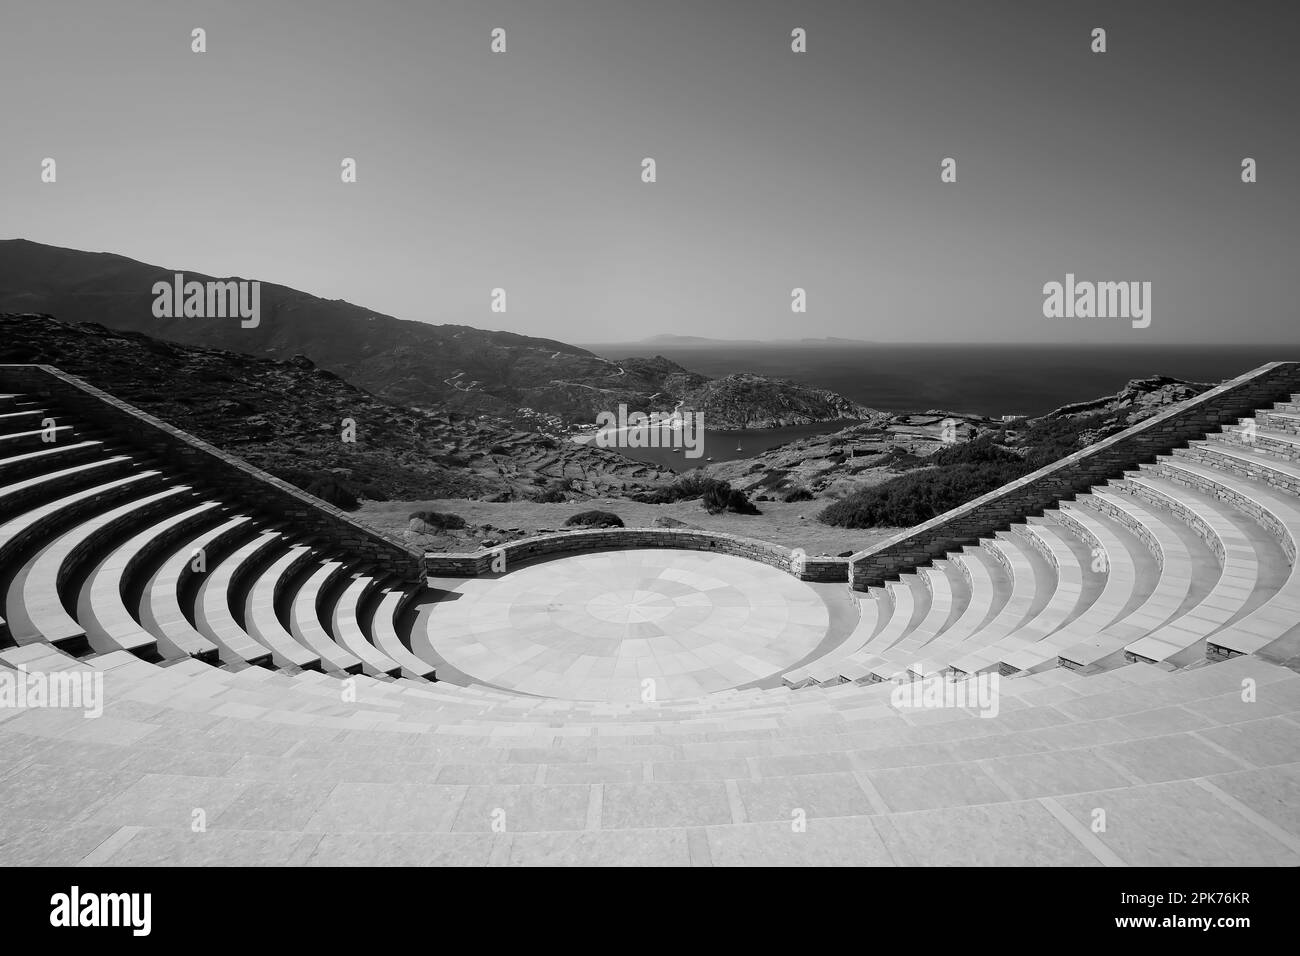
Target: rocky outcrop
{"points": [[1140, 398], [744, 400]]}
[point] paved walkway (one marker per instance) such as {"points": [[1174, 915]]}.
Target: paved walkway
{"points": [[629, 625]]}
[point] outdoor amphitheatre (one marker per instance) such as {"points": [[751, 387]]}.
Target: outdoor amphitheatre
{"points": [[324, 694]]}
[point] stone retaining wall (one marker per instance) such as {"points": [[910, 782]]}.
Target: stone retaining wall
{"points": [[510, 556], [205, 466], [1109, 458]]}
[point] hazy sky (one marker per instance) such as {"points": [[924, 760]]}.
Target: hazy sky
{"points": [[775, 169]]}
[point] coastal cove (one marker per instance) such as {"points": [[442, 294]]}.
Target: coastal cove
{"points": [[968, 379]]}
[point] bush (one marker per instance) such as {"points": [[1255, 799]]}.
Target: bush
{"points": [[720, 497], [716, 496], [594, 519], [693, 484], [435, 521], [968, 470], [982, 450], [798, 494], [912, 498]]}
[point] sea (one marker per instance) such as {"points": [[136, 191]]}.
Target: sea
{"points": [[992, 380]]}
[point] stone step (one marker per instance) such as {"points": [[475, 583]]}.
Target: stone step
{"points": [[102, 608], [213, 614], [346, 626], [306, 624], [261, 620], [161, 612], [1274, 622]]}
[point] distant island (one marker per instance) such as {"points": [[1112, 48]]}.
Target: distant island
{"points": [[699, 341]]}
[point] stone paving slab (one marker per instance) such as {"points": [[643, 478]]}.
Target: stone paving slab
{"points": [[598, 627]]}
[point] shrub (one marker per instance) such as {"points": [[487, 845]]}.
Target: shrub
{"points": [[435, 521], [798, 494], [693, 484], [982, 450], [594, 519], [965, 471], [915, 497], [720, 497]]}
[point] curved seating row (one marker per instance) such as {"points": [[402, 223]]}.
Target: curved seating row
{"points": [[1104, 634], [99, 554], [102, 606], [1191, 555], [1184, 547]]}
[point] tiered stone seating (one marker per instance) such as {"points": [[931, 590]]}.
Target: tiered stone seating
{"points": [[262, 621], [12, 443], [99, 554], [36, 610], [826, 667], [101, 607], [988, 596], [213, 615], [1171, 591], [1063, 605], [908, 594], [110, 566], [347, 629], [161, 613], [1197, 552], [1015, 613], [384, 628], [1238, 581], [306, 625], [941, 610], [1274, 621]]}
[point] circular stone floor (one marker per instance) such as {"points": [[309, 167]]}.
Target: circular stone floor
{"points": [[595, 626]]}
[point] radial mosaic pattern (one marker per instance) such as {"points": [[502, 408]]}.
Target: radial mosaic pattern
{"points": [[599, 626]]}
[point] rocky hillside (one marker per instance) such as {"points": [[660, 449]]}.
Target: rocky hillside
{"points": [[452, 367], [286, 418], [744, 400], [884, 445]]}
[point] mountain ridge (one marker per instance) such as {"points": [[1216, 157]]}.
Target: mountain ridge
{"points": [[456, 367]]}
